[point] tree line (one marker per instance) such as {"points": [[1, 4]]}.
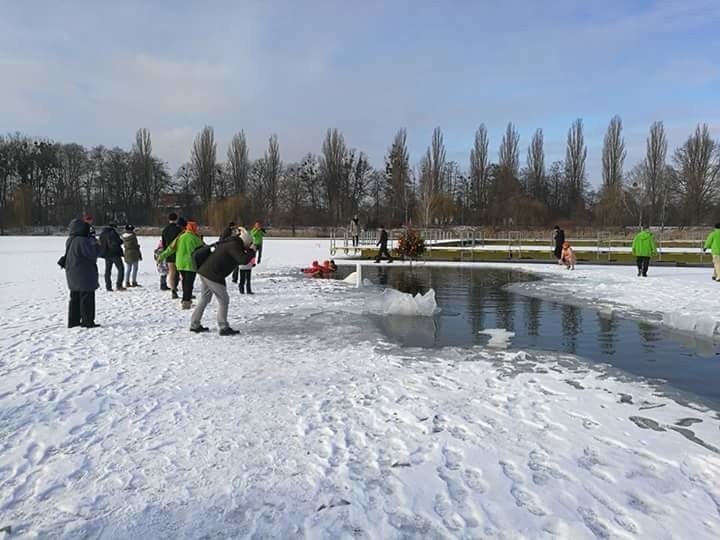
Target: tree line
{"points": [[43, 182]]}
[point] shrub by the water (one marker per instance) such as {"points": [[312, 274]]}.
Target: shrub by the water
{"points": [[410, 245]]}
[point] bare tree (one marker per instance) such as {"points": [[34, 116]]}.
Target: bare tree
{"points": [[575, 159], [238, 163], [433, 175], [271, 176], [509, 153], [203, 161], [536, 167], [333, 169], [613, 155], [397, 175], [655, 177], [480, 174], [698, 167]]}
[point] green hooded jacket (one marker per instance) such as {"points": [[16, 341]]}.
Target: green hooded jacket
{"points": [[257, 235], [713, 242], [183, 247], [644, 244]]}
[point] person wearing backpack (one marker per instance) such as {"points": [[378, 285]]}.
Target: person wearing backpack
{"points": [[224, 257], [643, 248], [183, 247]]}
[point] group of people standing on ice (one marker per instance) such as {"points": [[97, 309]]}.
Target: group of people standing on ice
{"points": [[644, 248], [181, 255]]}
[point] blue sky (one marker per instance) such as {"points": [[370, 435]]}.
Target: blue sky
{"points": [[94, 72]]}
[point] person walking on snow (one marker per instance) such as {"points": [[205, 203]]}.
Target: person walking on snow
{"points": [[161, 266], [712, 242], [182, 247], [81, 253], [355, 231], [643, 248], [257, 234], [219, 265], [228, 231], [558, 238], [111, 245], [246, 269], [171, 231], [133, 256], [383, 243]]}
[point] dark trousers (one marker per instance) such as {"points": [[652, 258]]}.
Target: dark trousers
{"points": [[81, 311], [558, 252], [258, 253], [383, 252], [245, 281], [188, 280], [163, 283], [355, 241], [117, 262], [235, 275], [643, 263]]}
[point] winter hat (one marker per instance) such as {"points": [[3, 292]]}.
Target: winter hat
{"points": [[192, 227], [181, 222], [244, 235], [258, 224], [129, 228]]}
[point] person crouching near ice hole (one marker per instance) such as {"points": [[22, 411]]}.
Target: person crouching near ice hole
{"points": [[133, 256], [80, 264], [257, 234], [643, 247], [712, 242], [218, 265], [314, 270], [383, 243], [568, 257], [182, 247]]}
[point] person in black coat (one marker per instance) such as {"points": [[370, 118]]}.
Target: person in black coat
{"points": [[558, 236], [171, 231], [81, 253], [227, 233], [227, 256], [383, 242], [112, 252]]}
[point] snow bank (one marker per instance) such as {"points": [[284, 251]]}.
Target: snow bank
{"points": [[393, 302]]}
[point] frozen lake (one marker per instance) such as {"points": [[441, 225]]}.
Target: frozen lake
{"points": [[316, 422], [473, 300]]}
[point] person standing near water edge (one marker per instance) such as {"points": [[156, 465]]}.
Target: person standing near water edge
{"points": [[112, 252], [133, 256], [713, 244], [81, 253], [643, 247], [383, 242], [257, 234], [558, 237], [355, 231], [171, 231]]}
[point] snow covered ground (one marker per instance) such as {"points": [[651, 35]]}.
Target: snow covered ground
{"points": [[310, 424]]}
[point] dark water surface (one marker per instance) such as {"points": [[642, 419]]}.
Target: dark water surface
{"points": [[473, 300]]}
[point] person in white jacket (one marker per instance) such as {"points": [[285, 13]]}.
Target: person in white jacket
{"points": [[354, 229]]}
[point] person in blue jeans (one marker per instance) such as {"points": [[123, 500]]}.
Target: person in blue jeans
{"points": [[133, 256]]}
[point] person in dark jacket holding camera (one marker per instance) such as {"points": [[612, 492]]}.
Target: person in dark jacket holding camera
{"points": [[80, 264], [227, 256]]}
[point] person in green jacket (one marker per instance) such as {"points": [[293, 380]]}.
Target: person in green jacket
{"points": [[712, 242], [183, 247], [257, 234], [643, 247]]}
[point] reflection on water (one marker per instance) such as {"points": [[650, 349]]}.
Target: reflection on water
{"points": [[475, 299]]}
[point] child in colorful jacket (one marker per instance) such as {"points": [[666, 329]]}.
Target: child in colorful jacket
{"points": [[162, 267]]}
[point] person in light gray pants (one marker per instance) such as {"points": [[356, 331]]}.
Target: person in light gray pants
{"points": [[208, 289]]}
